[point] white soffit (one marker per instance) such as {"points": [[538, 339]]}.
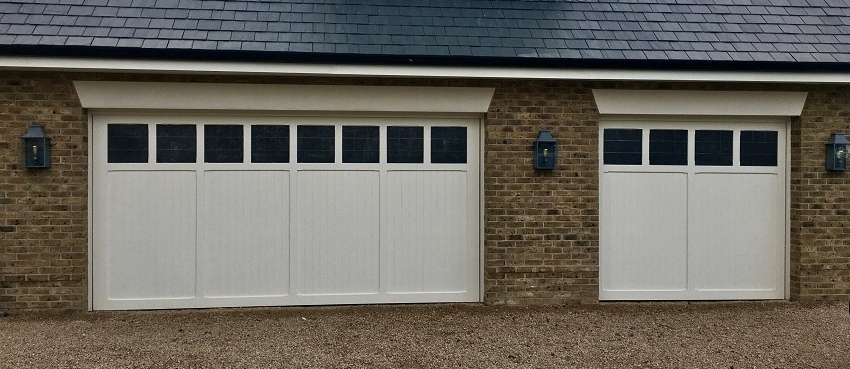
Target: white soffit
{"points": [[274, 97], [681, 102], [339, 70]]}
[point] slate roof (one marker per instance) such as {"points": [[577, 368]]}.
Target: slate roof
{"points": [[772, 33]]}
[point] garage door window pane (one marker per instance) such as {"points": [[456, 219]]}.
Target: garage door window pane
{"points": [[315, 144], [668, 147], [758, 148], [713, 148], [448, 145], [223, 143], [176, 143], [127, 143], [269, 144], [622, 147], [360, 144], [404, 144]]}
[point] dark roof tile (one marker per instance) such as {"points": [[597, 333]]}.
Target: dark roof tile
{"points": [[53, 40], [144, 23], [79, 41], [105, 42], [27, 39], [655, 55], [87, 21], [197, 35], [232, 45], [99, 32], [569, 53]]}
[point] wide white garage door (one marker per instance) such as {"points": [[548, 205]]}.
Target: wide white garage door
{"points": [[692, 210], [212, 211]]}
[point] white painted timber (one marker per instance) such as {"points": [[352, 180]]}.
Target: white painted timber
{"points": [[338, 232], [426, 232], [244, 229], [346, 70], [195, 235], [270, 97], [734, 245], [646, 216], [708, 103], [693, 232], [150, 247]]}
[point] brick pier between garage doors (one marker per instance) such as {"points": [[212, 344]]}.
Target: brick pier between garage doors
{"points": [[534, 237]]}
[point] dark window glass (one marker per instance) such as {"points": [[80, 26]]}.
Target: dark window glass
{"points": [[223, 143], [404, 144], [315, 144], [360, 144], [713, 148], [269, 144], [176, 143], [668, 147], [127, 143], [448, 145], [622, 146], [758, 148]]}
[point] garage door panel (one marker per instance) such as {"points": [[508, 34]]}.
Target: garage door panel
{"points": [[245, 233], [427, 231], [338, 231], [739, 240], [646, 222], [693, 209], [151, 250], [389, 215]]}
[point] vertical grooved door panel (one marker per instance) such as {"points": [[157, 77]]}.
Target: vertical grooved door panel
{"points": [[151, 243], [646, 226], [738, 243], [337, 223], [245, 234], [427, 231]]}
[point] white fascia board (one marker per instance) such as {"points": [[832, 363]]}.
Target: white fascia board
{"points": [[345, 70], [710, 103], [273, 97]]}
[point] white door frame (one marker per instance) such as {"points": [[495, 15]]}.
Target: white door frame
{"points": [[98, 117], [666, 121]]}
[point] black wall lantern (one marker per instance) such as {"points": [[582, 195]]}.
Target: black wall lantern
{"points": [[836, 152], [545, 151], [36, 148]]}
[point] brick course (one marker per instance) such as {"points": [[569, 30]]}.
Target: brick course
{"points": [[541, 228]]}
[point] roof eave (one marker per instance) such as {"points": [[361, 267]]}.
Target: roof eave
{"points": [[415, 60]]}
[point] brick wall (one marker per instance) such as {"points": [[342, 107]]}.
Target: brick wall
{"points": [[541, 240], [43, 247], [820, 200], [541, 228]]}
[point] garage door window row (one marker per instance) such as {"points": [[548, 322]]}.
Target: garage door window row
{"points": [[177, 143], [670, 147]]}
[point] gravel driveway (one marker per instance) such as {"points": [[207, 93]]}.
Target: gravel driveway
{"points": [[674, 335]]}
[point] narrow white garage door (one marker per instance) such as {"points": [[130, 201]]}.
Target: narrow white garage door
{"points": [[692, 210], [214, 211]]}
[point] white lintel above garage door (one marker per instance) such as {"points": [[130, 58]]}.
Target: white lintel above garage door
{"points": [[269, 97], [708, 103]]}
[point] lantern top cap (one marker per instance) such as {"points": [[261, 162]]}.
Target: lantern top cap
{"points": [[35, 131], [837, 139], [545, 136]]}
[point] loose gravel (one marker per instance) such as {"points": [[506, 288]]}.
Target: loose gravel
{"points": [[631, 335]]}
